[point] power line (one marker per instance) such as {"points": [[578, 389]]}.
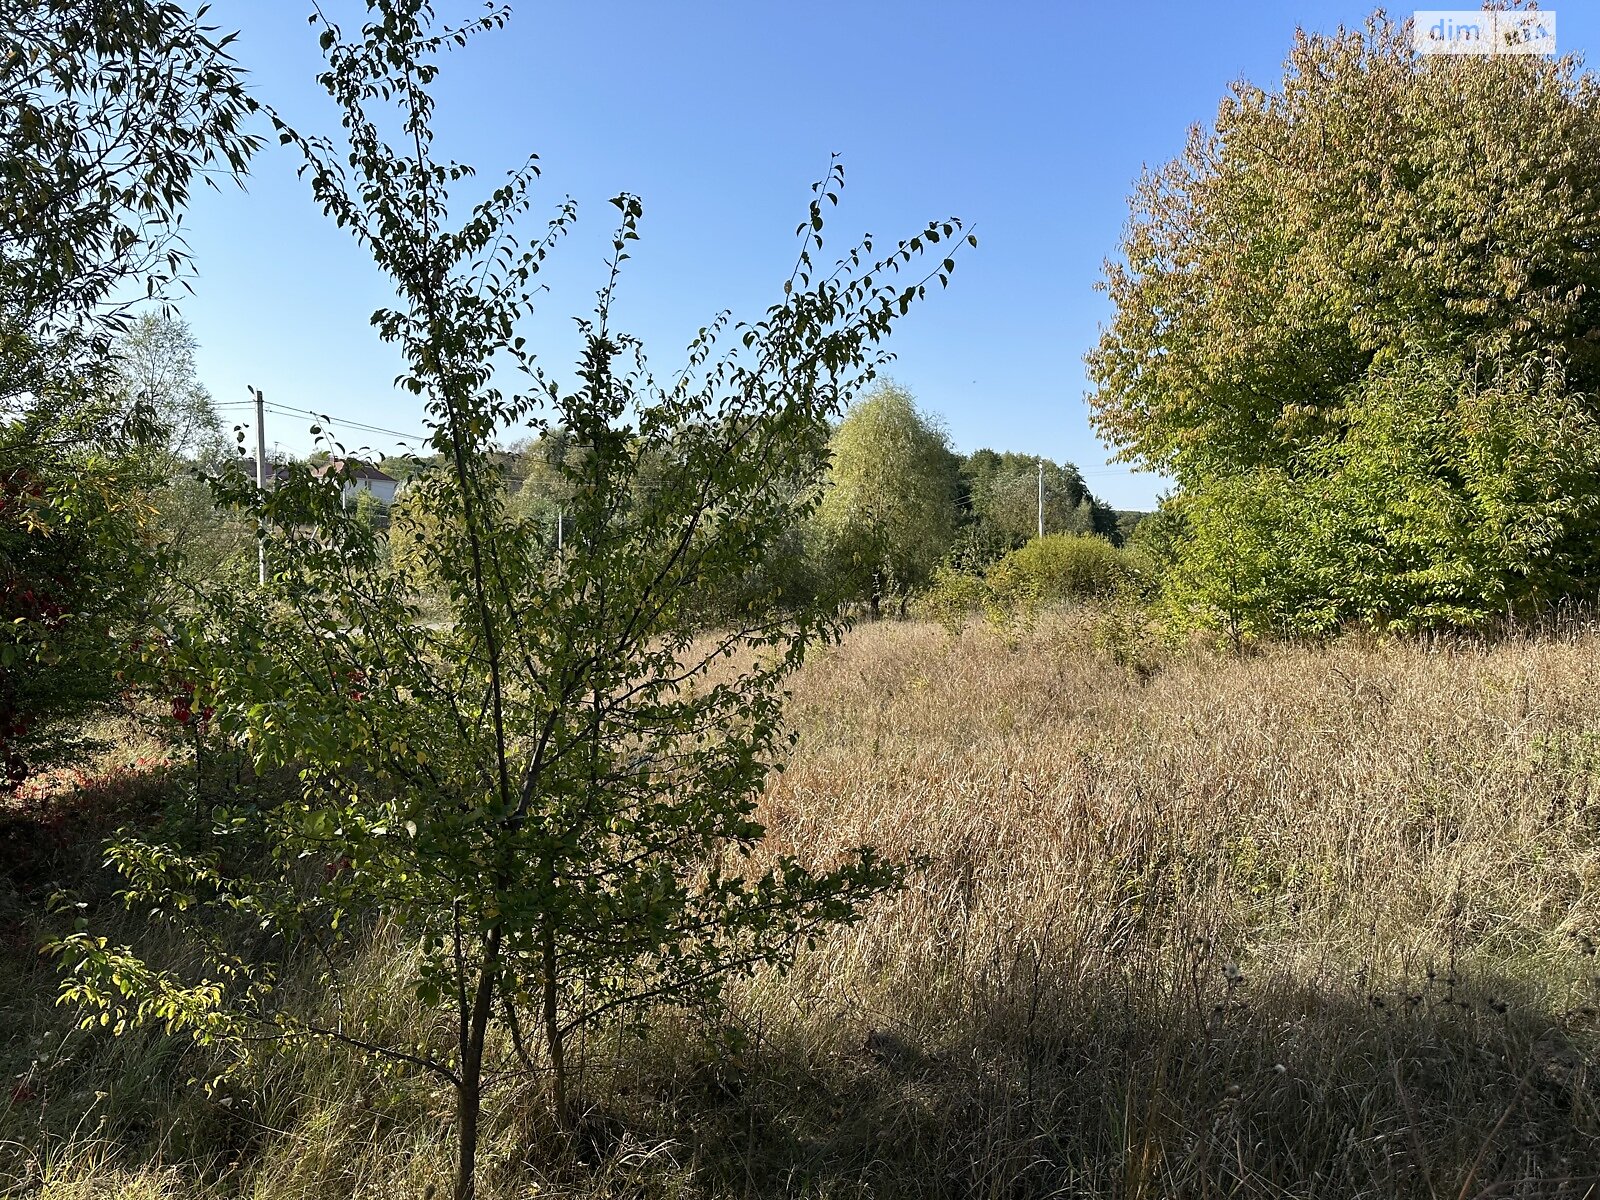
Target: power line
{"points": [[329, 419], [349, 423]]}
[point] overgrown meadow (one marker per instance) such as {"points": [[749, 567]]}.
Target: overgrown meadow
{"points": [[711, 784], [1311, 921]]}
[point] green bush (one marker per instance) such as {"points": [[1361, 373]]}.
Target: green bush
{"points": [[1056, 569], [951, 597]]}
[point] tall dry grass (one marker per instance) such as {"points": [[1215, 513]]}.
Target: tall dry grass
{"points": [[1317, 922], [1320, 921]]}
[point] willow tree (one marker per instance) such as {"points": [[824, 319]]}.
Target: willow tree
{"points": [[889, 511], [1383, 270], [552, 791]]}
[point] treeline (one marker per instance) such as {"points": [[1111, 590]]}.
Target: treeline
{"points": [[897, 506]]}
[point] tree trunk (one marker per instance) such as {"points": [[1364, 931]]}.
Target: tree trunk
{"points": [[199, 774], [553, 1036], [877, 594], [469, 1096], [469, 1091]]}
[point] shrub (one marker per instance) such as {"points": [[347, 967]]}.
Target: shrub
{"points": [[950, 598], [1056, 569], [551, 791]]}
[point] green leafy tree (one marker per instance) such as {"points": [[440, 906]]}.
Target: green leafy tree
{"points": [[1448, 498], [1376, 284], [1241, 561], [539, 490], [75, 566], [1150, 547], [156, 375], [1001, 496], [183, 439], [1128, 521], [1459, 491], [552, 792], [888, 514], [108, 114]]}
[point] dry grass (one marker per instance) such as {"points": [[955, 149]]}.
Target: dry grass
{"points": [[1318, 922], [1315, 922]]}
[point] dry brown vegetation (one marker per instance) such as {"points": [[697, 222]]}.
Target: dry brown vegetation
{"points": [[1319, 921]]}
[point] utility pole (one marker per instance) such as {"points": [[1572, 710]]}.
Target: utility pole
{"points": [[1041, 497], [261, 479]]}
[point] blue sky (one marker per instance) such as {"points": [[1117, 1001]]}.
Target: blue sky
{"points": [[1028, 120]]}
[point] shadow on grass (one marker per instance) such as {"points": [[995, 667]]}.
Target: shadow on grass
{"points": [[1440, 1092], [1198, 1084], [1454, 1092]]}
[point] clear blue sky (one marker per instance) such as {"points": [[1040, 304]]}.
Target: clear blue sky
{"points": [[1030, 120]]}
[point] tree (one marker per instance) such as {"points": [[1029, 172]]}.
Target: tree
{"points": [[182, 437], [552, 791], [1384, 269], [888, 514], [1128, 522], [1002, 496], [108, 112], [156, 375], [75, 565], [1150, 547], [1242, 565], [539, 489], [1446, 500]]}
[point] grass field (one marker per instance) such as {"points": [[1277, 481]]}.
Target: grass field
{"points": [[1316, 921]]}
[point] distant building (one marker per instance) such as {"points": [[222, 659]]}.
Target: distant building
{"points": [[364, 477], [361, 477]]}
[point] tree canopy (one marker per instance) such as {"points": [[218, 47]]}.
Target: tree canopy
{"points": [[1372, 292], [1001, 493], [108, 115], [889, 511]]}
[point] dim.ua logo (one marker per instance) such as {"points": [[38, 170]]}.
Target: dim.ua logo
{"points": [[1484, 32]]}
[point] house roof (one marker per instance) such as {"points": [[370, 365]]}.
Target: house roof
{"points": [[357, 470]]}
